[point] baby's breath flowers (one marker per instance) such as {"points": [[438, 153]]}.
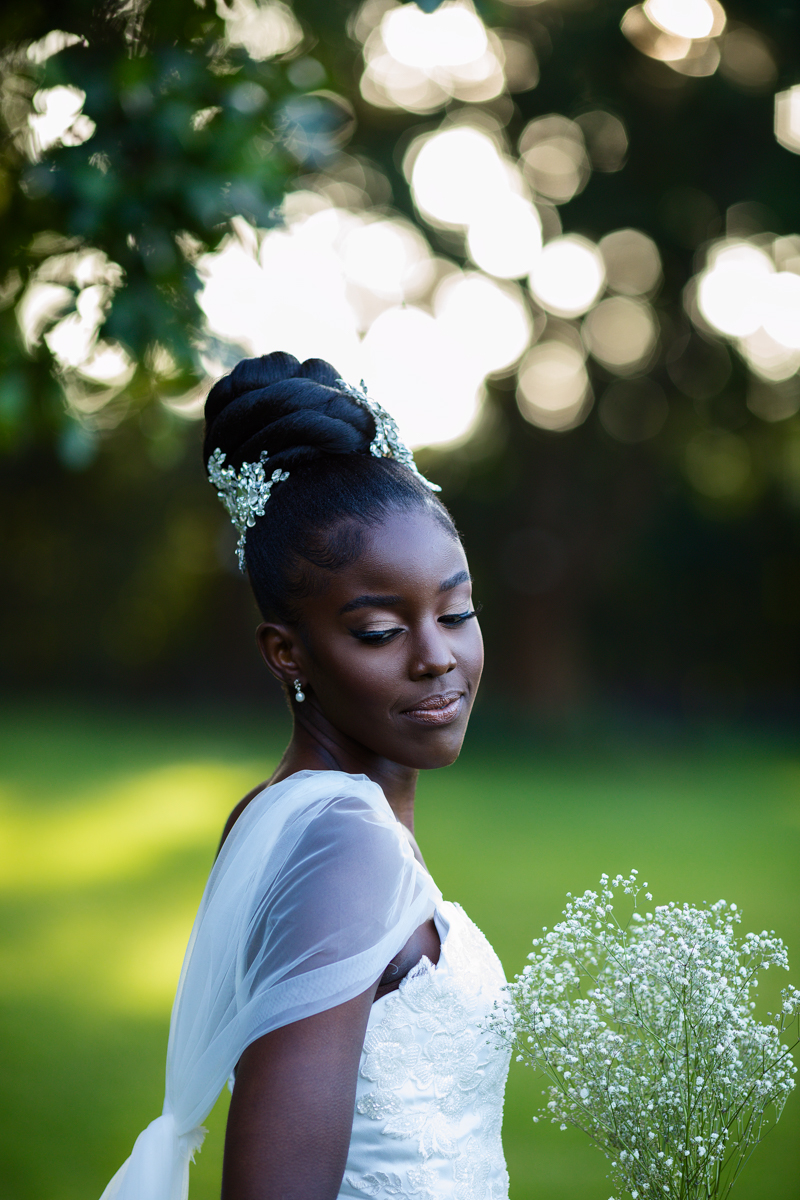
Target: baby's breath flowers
{"points": [[647, 1035]]}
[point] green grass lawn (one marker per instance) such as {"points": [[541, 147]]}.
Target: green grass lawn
{"points": [[108, 826]]}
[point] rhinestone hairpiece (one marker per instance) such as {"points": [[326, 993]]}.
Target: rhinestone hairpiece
{"points": [[387, 442], [244, 493]]}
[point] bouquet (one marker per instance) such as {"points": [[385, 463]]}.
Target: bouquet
{"points": [[646, 1033]]}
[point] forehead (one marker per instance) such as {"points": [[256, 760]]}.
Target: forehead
{"points": [[409, 553], [412, 541]]}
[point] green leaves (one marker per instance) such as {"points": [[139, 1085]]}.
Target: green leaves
{"points": [[175, 135]]}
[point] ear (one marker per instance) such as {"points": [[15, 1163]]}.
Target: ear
{"points": [[282, 651]]}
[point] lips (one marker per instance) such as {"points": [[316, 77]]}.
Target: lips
{"points": [[440, 709]]}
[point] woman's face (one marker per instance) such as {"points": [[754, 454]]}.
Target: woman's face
{"points": [[393, 650]]}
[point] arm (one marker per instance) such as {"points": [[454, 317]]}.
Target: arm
{"points": [[291, 1113]]}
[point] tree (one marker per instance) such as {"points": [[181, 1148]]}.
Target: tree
{"points": [[655, 527]]}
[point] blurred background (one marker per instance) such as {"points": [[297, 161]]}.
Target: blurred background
{"points": [[561, 243]]}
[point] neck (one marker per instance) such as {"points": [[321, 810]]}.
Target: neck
{"points": [[317, 746]]}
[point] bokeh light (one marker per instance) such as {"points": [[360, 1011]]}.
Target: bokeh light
{"points": [[774, 401], [731, 290], [554, 159], [568, 276], [388, 257], [553, 391], [702, 58], [64, 305], [781, 309], [264, 30], [621, 334], [506, 239], [418, 61], [341, 284], [749, 291], [632, 261], [490, 322], [57, 120], [683, 18], [519, 61], [746, 60], [768, 358], [291, 294], [422, 376], [451, 36], [457, 174], [683, 34], [606, 139], [650, 39], [787, 118]]}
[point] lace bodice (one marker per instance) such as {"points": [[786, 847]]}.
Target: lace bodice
{"points": [[431, 1081]]}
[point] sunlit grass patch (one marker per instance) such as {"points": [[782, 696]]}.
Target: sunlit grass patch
{"points": [[116, 832], [113, 881]]}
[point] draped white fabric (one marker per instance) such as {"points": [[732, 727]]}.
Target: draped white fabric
{"points": [[314, 892]]}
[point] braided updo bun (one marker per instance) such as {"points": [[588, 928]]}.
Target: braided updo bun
{"points": [[313, 428], [296, 411]]}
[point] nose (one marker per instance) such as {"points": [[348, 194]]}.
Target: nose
{"points": [[432, 653]]}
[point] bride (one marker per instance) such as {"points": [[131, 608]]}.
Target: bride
{"points": [[325, 976]]}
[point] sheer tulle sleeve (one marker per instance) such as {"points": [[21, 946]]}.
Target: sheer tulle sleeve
{"points": [[314, 892]]}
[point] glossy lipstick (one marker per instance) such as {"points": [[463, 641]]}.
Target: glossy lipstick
{"points": [[436, 710]]}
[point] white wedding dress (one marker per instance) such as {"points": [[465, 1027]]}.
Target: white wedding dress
{"points": [[315, 890], [431, 1081]]}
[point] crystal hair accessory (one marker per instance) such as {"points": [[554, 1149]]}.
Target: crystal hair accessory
{"points": [[244, 493], [387, 442]]}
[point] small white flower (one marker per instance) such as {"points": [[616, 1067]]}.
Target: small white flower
{"points": [[610, 1001]]}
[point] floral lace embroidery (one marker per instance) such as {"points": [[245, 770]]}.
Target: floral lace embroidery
{"points": [[421, 1184], [430, 1039]]}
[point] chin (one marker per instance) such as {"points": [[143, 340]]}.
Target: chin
{"points": [[437, 753]]}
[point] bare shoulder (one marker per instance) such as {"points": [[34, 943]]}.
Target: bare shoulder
{"points": [[238, 810]]}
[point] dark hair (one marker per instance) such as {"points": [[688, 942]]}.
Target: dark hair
{"points": [[336, 488]]}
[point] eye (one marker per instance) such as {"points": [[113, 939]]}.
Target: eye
{"points": [[375, 637], [453, 620]]}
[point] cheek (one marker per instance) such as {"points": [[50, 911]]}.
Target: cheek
{"points": [[472, 658], [355, 675]]}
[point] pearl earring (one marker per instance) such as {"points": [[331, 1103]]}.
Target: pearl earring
{"points": [[299, 694]]}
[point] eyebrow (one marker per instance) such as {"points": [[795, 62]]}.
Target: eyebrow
{"points": [[391, 601], [455, 580]]}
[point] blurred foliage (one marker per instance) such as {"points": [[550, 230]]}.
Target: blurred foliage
{"points": [[604, 568], [184, 139]]}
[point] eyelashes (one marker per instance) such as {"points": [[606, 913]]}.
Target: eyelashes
{"points": [[457, 619], [380, 637], [374, 637]]}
